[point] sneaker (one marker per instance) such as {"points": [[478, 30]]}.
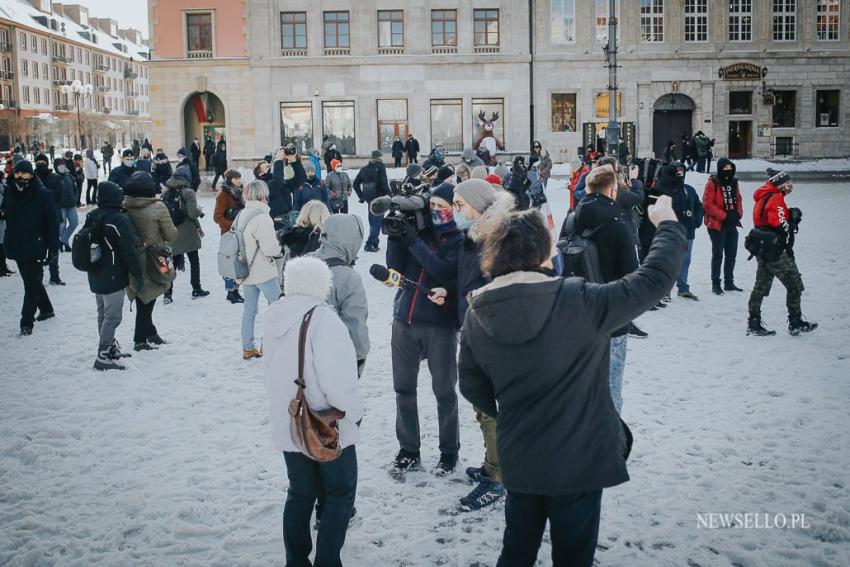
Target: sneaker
{"points": [[167, 300], [486, 493], [199, 293], [156, 340], [45, 316], [715, 289], [57, 282], [115, 351], [755, 327], [26, 331], [144, 345], [446, 465], [799, 325], [475, 474], [105, 362], [688, 295], [234, 297], [251, 353], [405, 461], [732, 287], [636, 332], [659, 305]]}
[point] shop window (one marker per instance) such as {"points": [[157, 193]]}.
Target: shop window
{"points": [[827, 105], [741, 102], [447, 124], [296, 125], [784, 109], [338, 125], [563, 112]]}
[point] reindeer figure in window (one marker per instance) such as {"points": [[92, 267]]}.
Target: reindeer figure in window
{"points": [[486, 136]]}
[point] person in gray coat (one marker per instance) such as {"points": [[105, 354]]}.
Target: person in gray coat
{"points": [[189, 232], [339, 188], [340, 241]]}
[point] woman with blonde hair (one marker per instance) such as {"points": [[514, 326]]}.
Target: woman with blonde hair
{"points": [[303, 238], [261, 248]]}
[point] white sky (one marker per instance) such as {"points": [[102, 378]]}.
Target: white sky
{"points": [[128, 14]]}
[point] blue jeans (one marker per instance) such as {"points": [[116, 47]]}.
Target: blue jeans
{"points": [[616, 368], [682, 280], [230, 285], [308, 479], [68, 224], [374, 229], [573, 527], [271, 289]]}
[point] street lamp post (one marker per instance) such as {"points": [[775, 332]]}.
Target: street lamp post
{"points": [[613, 129], [77, 88]]}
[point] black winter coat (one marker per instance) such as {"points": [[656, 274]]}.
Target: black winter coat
{"points": [[688, 209], [411, 148], [469, 276], [280, 189], [371, 181], [398, 149], [119, 245], [196, 175], [32, 222], [539, 347], [220, 161], [121, 175], [300, 240], [329, 156], [65, 191]]}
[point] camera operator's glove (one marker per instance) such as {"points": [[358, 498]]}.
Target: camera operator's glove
{"points": [[796, 217], [408, 234]]}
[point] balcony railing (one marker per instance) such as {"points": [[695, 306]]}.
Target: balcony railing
{"points": [[8, 103], [294, 52], [443, 49], [129, 74], [57, 58], [336, 51], [4, 46], [391, 51], [132, 113], [199, 54], [102, 67], [7, 75], [63, 107], [104, 110], [487, 49], [60, 82], [102, 89]]}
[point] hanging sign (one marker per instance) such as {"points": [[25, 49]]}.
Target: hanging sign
{"points": [[742, 72]]}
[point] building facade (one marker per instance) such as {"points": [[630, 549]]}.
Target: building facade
{"points": [[45, 45], [763, 78]]}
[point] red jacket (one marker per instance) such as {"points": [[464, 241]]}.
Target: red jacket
{"points": [[574, 179], [776, 213], [712, 202]]}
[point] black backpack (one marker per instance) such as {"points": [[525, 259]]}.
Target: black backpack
{"points": [[579, 251], [176, 207], [86, 248], [763, 243]]}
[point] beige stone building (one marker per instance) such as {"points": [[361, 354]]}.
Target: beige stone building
{"points": [[764, 78]]}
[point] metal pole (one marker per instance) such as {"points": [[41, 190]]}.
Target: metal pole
{"points": [[531, 33], [79, 124], [613, 130]]}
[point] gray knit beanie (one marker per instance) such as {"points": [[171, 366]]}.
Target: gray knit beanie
{"points": [[477, 192]]}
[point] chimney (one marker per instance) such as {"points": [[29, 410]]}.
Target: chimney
{"points": [[80, 14], [57, 9], [43, 6], [132, 35]]}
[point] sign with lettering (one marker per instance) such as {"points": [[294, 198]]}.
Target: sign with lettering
{"points": [[742, 72]]}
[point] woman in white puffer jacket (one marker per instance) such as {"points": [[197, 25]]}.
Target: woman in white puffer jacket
{"points": [[330, 378]]}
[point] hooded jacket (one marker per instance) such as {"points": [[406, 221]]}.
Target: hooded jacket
{"points": [[32, 222], [330, 367], [552, 404], [153, 226], [310, 191], [90, 166], [719, 201], [228, 203], [119, 244], [188, 238], [469, 158], [65, 191], [371, 181], [121, 175], [193, 167], [339, 243], [261, 244], [777, 215]]}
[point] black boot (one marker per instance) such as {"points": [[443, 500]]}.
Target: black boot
{"points": [[199, 293], [715, 289], [755, 327], [730, 286], [234, 297], [797, 325]]}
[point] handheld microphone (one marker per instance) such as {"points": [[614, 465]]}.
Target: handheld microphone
{"points": [[392, 278]]}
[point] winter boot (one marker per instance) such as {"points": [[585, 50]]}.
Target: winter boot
{"points": [[487, 492], [5, 272], [199, 293], [446, 465], [405, 461], [115, 351], [730, 286], [167, 298], [155, 339], [715, 289], [42, 316], [475, 474], [26, 331], [688, 295], [234, 297], [104, 361], [144, 345], [755, 327], [56, 282], [251, 353], [797, 325]]}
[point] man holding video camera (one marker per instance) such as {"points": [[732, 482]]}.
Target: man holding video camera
{"points": [[423, 329]]}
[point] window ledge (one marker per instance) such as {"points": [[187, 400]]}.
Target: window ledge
{"points": [[487, 49], [335, 51], [391, 51]]}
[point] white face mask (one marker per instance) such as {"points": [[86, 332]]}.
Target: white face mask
{"points": [[338, 169], [127, 162], [61, 169]]}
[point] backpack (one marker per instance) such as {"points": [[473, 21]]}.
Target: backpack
{"points": [[536, 190], [579, 252], [86, 251], [232, 263], [173, 201], [763, 243]]}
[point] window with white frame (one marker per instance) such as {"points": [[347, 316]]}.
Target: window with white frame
{"points": [[828, 20], [602, 21], [23, 41], [740, 20], [784, 20], [34, 44], [652, 21], [24, 67], [562, 16], [696, 21], [199, 35]]}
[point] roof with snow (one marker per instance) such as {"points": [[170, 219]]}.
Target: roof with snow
{"points": [[24, 13]]}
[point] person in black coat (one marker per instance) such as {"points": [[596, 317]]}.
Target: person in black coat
{"points": [[689, 210], [209, 152], [284, 174], [195, 149], [552, 404], [161, 169], [107, 151], [193, 168], [65, 195], [411, 148], [518, 184], [31, 239], [371, 182], [121, 174], [110, 276], [219, 162], [331, 154], [397, 151], [51, 181]]}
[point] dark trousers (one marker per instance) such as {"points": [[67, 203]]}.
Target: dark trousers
{"points": [[397, 161], [701, 163], [207, 162], [144, 321], [35, 296], [107, 165], [91, 191], [724, 250], [573, 527], [215, 179], [411, 344], [194, 269], [340, 207], [308, 479], [53, 268], [374, 229]]}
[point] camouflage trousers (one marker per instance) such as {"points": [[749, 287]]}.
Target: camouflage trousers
{"points": [[785, 270]]}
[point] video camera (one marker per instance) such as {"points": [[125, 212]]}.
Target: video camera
{"points": [[409, 204], [648, 170]]}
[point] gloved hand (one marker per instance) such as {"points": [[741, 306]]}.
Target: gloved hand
{"points": [[408, 235], [796, 217]]}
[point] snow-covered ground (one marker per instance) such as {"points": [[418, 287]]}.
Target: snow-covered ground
{"points": [[170, 462]]}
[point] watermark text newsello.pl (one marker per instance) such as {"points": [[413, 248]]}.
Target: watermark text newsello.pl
{"points": [[753, 521]]}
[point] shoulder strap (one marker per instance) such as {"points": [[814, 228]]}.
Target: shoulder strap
{"points": [[302, 343], [764, 204]]}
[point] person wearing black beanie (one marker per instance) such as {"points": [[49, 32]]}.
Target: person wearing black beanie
{"points": [[121, 174]]}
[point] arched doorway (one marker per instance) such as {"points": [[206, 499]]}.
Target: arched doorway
{"points": [[203, 117], [671, 119]]}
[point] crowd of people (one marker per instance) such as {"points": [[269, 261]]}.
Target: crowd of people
{"points": [[488, 294]]}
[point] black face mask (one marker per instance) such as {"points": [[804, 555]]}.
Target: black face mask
{"points": [[22, 183], [726, 176], [41, 167]]}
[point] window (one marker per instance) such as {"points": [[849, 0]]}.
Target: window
{"points": [[390, 28], [23, 41], [784, 109], [79, 55], [34, 70], [563, 112], [740, 20], [73, 75], [486, 27], [198, 33], [696, 21], [652, 21], [784, 20], [602, 21], [338, 125], [601, 104], [784, 146], [25, 67], [493, 110], [37, 94], [46, 96], [88, 58], [293, 30], [741, 102], [26, 94], [337, 33], [44, 46], [444, 28], [44, 70], [562, 18], [827, 103], [828, 18], [392, 122], [34, 44], [447, 124]]}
